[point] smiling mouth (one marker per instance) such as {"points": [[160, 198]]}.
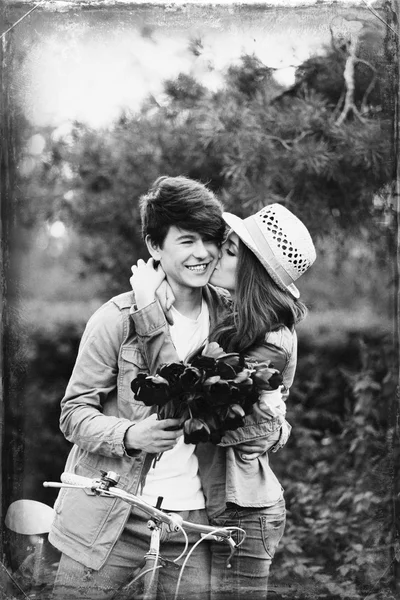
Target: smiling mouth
{"points": [[197, 268]]}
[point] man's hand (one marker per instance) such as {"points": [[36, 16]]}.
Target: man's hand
{"points": [[152, 436]]}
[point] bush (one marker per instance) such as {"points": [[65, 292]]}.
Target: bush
{"points": [[338, 471], [49, 336]]}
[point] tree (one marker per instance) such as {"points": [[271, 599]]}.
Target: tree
{"points": [[323, 148]]}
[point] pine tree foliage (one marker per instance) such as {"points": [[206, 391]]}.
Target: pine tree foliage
{"points": [[252, 141]]}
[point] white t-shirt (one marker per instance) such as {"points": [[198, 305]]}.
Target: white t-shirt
{"points": [[175, 476]]}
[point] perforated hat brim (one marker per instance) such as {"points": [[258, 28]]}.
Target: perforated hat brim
{"points": [[238, 226]]}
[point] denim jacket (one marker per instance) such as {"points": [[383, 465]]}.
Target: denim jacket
{"points": [[224, 475], [96, 411]]}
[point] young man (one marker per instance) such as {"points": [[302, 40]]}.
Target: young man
{"points": [[100, 539]]}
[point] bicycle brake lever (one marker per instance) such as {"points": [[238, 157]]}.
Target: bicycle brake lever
{"points": [[229, 541], [170, 563], [234, 547]]}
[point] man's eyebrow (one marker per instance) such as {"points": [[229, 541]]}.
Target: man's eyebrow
{"points": [[186, 235]]}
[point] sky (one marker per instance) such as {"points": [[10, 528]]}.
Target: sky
{"points": [[89, 66]]}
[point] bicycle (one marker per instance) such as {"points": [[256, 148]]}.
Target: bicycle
{"points": [[106, 486]]}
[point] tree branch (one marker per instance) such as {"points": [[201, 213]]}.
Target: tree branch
{"points": [[348, 74], [280, 140], [286, 143], [371, 85]]}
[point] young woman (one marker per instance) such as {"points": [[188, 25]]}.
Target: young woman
{"points": [[260, 260]]}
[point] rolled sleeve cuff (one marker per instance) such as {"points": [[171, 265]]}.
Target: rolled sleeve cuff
{"points": [[148, 319], [249, 432], [119, 447]]}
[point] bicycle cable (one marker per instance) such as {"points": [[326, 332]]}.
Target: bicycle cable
{"points": [[196, 544], [186, 542]]}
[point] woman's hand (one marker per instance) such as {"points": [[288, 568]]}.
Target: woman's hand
{"points": [[270, 404], [145, 281], [149, 283], [253, 449], [166, 298]]}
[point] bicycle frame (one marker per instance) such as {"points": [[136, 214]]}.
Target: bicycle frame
{"points": [[106, 486]]}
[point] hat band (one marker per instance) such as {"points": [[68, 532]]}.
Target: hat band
{"points": [[265, 250]]}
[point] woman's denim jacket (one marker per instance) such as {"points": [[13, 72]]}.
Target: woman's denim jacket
{"points": [[96, 411], [225, 476]]}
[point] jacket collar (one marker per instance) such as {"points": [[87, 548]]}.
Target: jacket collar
{"points": [[219, 303]]}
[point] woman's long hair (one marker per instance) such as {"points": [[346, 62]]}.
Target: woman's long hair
{"points": [[259, 307]]}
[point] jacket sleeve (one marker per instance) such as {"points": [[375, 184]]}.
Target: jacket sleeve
{"points": [[93, 379], [281, 349]]}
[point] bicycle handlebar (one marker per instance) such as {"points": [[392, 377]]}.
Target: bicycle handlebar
{"points": [[73, 479], [173, 521]]}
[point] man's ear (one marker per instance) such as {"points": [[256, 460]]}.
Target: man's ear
{"points": [[153, 248]]}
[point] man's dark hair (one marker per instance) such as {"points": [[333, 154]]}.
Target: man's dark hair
{"points": [[185, 203]]}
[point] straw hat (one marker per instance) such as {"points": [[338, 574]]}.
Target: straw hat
{"points": [[280, 241]]}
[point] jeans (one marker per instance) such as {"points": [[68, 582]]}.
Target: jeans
{"points": [[74, 581], [248, 576]]}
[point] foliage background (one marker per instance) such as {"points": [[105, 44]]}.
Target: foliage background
{"points": [[75, 231]]}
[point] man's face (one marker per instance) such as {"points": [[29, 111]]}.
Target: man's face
{"points": [[188, 260]]}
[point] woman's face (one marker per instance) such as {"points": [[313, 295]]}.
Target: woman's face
{"points": [[224, 274]]}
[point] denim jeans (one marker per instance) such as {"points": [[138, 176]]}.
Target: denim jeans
{"points": [[74, 581], [248, 576]]}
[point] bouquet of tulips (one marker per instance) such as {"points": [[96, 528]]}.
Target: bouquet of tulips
{"points": [[210, 394]]}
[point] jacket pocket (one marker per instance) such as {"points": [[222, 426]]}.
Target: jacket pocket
{"points": [[82, 515], [131, 362]]}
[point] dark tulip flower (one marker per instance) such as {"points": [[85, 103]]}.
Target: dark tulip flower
{"points": [[212, 420], [216, 436], [213, 349], [236, 396], [244, 385], [243, 375], [267, 378], [171, 372], [219, 393], [235, 410], [234, 360], [138, 382], [275, 380], [190, 379], [199, 405], [225, 371], [195, 431], [232, 423], [247, 404], [204, 363], [211, 380], [151, 390]]}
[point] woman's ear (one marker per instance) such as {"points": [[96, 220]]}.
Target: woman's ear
{"points": [[153, 248]]}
